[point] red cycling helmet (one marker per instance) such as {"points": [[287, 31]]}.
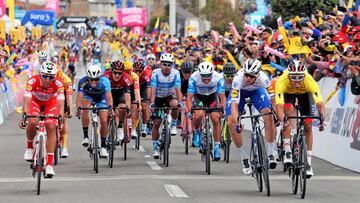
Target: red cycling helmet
{"points": [[357, 37], [117, 66], [354, 30], [138, 65]]}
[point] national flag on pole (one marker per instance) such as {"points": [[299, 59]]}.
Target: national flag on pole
{"points": [[156, 27]]}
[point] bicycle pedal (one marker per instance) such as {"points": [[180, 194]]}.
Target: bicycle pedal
{"points": [[89, 149]]}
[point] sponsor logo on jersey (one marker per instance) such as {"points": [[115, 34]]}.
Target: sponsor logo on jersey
{"points": [[234, 93]]}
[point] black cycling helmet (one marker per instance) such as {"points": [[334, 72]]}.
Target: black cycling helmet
{"points": [[187, 67], [229, 69]]}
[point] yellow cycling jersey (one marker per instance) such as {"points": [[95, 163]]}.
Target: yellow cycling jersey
{"points": [[284, 85], [134, 80], [67, 82]]}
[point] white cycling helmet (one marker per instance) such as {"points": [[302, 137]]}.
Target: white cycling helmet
{"points": [[48, 68], [42, 55], [94, 71], [252, 67], [206, 69], [296, 67], [150, 56], [167, 58]]}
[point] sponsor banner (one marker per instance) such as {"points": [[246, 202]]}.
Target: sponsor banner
{"points": [[39, 17], [132, 17]]}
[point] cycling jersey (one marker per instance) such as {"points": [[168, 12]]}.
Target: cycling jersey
{"points": [[94, 94], [134, 80], [262, 81], [124, 81], [284, 85], [145, 77], [227, 86], [184, 84], [36, 91], [67, 82], [197, 86], [165, 85]]}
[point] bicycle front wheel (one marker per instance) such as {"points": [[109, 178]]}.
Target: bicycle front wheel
{"points": [[227, 143], [264, 161], [186, 135], [294, 170], [95, 151], [111, 140], [303, 167], [167, 144], [39, 164], [207, 150]]}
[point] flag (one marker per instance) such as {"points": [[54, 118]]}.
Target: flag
{"points": [[130, 3], [156, 27]]}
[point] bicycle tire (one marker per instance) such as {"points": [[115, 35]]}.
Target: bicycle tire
{"points": [[112, 142], [95, 151], [167, 144], [207, 149], [39, 165], [264, 161], [303, 167], [294, 169], [227, 143], [186, 135], [258, 175], [137, 144], [125, 140], [56, 154]]}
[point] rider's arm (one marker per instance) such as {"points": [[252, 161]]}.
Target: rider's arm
{"points": [[190, 92], [189, 101], [60, 97], [178, 87], [79, 98], [127, 100], [321, 108], [109, 99], [280, 88], [221, 92], [27, 96], [222, 99], [153, 86], [108, 94]]}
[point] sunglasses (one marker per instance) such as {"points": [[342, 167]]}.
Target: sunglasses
{"points": [[117, 73], [297, 77], [249, 76], [94, 79], [229, 76], [151, 59], [48, 77], [168, 65]]}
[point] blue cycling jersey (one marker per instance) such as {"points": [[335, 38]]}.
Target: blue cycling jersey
{"points": [[96, 93], [165, 85]]}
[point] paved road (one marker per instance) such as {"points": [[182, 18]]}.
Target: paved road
{"points": [[140, 179]]}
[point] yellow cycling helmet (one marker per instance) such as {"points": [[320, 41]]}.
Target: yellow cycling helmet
{"points": [[128, 65]]}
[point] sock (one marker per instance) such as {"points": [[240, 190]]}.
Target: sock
{"points": [[30, 144], [103, 142], [50, 159], [65, 141], [293, 131], [155, 144], [269, 148], [217, 144], [243, 153], [287, 145], [144, 126], [309, 154], [173, 122], [85, 131]]}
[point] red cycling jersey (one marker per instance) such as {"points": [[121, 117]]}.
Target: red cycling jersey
{"points": [[35, 90], [145, 76], [124, 81]]}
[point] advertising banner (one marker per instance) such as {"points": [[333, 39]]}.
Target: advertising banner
{"points": [[39, 17], [131, 17]]}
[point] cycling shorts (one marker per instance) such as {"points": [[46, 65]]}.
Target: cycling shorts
{"points": [[211, 100], [100, 103], [50, 109], [162, 102], [303, 101]]}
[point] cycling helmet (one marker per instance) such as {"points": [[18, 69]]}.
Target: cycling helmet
{"points": [[94, 71], [167, 58], [48, 68], [127, 65], [229, 69], [42, 55], [357, 37], [206, 69], [139, 65], [252, 67], [150, 56], [117, 65], [296, 67], [187, 67]]}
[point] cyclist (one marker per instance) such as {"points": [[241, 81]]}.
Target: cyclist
{"points": [[297, 83], [251, 83], [206, 87], [165, 92], [42, 57], [229, 71], [135, 96], [67, 110], [144, 73], [186, 69], [94, 88], [43, 90], [150, 60], [120, 90]]}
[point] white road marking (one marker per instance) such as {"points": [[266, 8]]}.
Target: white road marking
{"points": [[154, 166], [173, 177], [175, 191], [147, 156], [141, 149]]}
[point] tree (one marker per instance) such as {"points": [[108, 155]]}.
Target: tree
{"points": [[219, 13], [291, 8]]}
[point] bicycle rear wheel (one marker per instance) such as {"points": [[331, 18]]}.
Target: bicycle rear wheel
{"points": [[264, 161], [255, 162], [137, 143], [227, 143], [303, 167], [186, 135], [39, 165], [126, 139]]}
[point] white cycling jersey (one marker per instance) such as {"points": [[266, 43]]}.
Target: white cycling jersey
{"points": [[197, 86], [227, 86], [165, 85]]}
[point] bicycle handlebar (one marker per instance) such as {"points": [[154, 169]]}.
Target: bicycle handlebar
{"points": [[256, 116], [165, 108], [303, 117], [207, 109], [94, 108], [42, 117]]}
